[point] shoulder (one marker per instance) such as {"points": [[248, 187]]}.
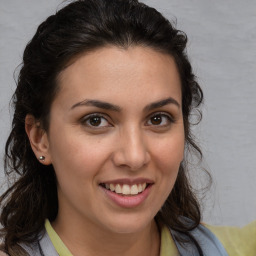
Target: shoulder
{"points": [[207, 240], [237, 241], [42, 246], [199, 237]]}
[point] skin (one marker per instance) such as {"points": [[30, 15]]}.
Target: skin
{"points": [[133, 141]]}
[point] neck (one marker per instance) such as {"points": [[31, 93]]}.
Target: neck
{"points": [[92, 240]]}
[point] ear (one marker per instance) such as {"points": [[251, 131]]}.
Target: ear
{"points": [[38, 139]]}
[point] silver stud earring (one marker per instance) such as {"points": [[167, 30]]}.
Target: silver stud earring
{"points": [[41, 158]]}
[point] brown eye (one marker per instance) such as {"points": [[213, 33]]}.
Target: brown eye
{"points": [[160, 119], [156, 120], [95, 120]]}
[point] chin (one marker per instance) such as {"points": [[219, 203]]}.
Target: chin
{"points": [[129, 225]]}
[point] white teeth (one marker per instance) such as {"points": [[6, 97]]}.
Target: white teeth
{"points": [[134, 190], [118, 189], [112, 187], [126, 189]]}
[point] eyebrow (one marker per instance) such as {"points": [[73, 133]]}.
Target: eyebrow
{"points": [[109, 106], [98, 104], [161, 103]]}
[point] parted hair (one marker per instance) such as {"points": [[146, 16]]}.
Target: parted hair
{"points": [[78, 28]]}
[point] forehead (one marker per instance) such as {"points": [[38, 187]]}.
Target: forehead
{"points": [[116, 72]]}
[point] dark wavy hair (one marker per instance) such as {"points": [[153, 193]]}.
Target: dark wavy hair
{"points": [[80, 27]]}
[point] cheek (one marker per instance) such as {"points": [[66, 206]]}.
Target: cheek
{"points": [[170, 152], [169, 155], [76, 156], [76, 162]]}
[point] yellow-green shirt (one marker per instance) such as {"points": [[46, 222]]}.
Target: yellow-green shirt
{"points": [[236, 241]]}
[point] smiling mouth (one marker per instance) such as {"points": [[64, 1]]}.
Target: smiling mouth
{"points": [[125, 189]]}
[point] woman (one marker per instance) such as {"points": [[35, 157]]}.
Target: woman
{"points": [[99, 138]]}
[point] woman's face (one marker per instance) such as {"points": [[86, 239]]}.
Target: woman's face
{"points": [[116, 137]]}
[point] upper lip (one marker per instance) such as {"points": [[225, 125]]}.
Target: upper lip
{"points": [[128, 181]]}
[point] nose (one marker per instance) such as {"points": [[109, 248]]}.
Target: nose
{"points": [[131, 150]]}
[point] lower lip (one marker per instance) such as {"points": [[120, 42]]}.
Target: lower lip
{"points": [[128, 201]]}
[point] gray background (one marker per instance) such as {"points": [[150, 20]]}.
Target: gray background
{"points": [[222, 49]]}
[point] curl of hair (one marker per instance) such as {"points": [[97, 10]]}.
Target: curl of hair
{"points": [[81, 27]]}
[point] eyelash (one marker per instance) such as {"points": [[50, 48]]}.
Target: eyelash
{"points": [[168, 117], [85, 120]]}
